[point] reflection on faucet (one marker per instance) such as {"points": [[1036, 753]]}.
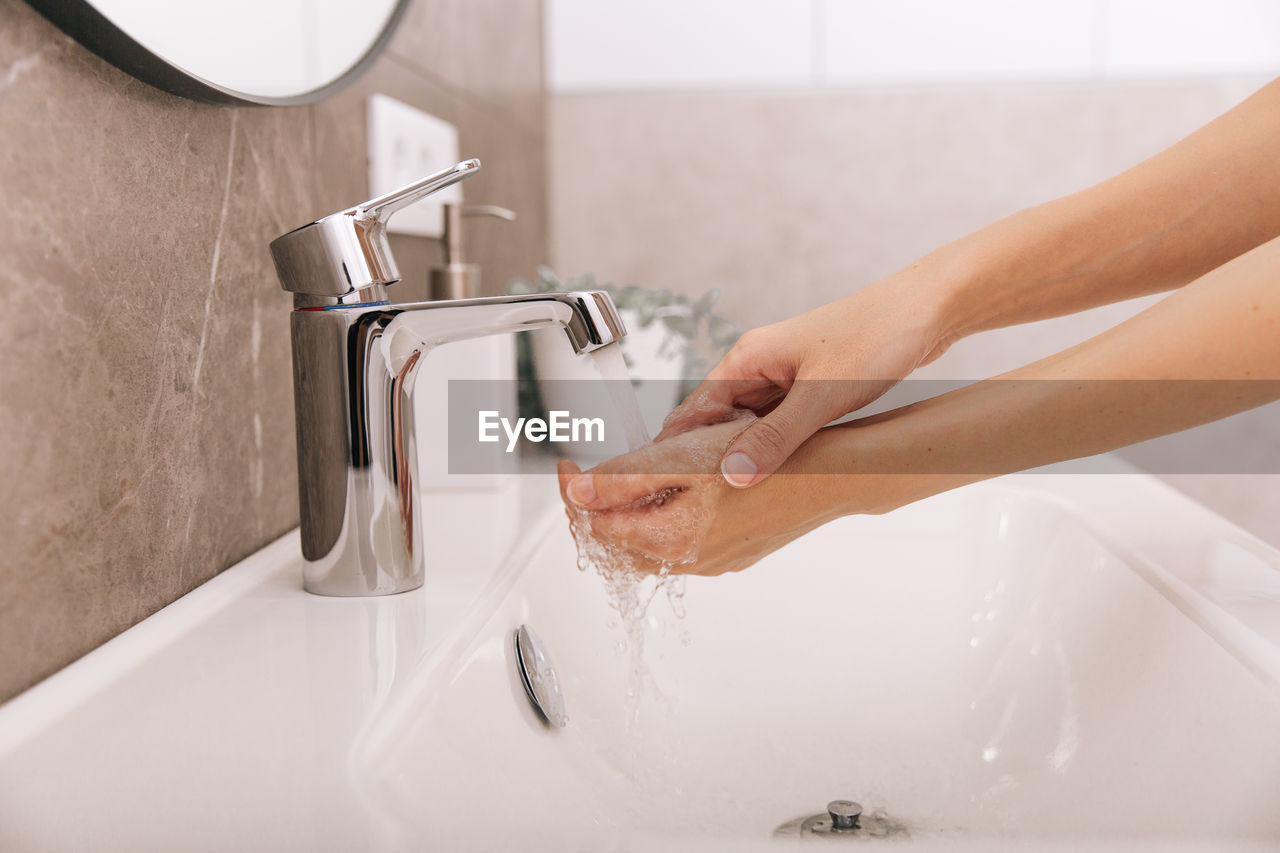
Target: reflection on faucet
{"points": [[354, 361], [357, 454]]}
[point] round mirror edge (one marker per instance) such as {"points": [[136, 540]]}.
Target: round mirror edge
{"points": [[95, 32]]}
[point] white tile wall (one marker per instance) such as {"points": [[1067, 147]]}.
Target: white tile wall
{"points": [[1151, 37], [596, 45], [870, 40], [629, 44]]}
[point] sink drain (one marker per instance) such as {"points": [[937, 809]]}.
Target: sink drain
{"points": [[539, 677], [842, 815], [844, 819]]}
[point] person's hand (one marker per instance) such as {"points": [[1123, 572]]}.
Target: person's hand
{"points": [[803, 373], [689, 521], [800, 374]]}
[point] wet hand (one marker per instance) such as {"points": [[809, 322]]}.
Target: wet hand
{"points": [[803, 373], [688, 520]]}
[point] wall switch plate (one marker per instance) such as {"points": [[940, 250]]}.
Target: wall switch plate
{"points": [[406, 144]]}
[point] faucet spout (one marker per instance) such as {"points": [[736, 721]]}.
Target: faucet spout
{"points": [[589, 318], [354, 369]]}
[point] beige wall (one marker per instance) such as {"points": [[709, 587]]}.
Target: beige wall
{"points": [[789, 199], [146, 416]]}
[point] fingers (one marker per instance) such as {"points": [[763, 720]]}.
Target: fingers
{"points": [[752, 375], [720, 401], [712, 401], [762, 447], [605, 491], [665, 532], [620, 529], [612, 484], [661, 469], [639, 533], [566, 470]]}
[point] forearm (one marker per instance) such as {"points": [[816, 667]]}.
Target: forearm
{"points": [[1208, 351], [1157, 226], [1224, 327]]}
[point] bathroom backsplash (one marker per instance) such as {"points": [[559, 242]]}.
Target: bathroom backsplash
{"points": [[146, 413]]}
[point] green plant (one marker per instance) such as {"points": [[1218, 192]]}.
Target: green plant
{"points": [[691, 324]]}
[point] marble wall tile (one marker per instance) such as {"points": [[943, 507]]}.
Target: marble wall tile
{"points": [[146, 417], [490, 50]]}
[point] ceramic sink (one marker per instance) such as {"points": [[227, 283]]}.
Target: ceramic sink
{"points": [[1036, 663]]}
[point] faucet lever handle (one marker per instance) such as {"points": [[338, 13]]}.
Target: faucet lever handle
{"points": [[380, 209], [345, 257]]}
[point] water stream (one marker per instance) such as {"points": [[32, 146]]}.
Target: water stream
{"points": [[631, 583], [612, 368]]}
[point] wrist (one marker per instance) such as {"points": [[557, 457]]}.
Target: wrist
{"points": [[942, 289], [880, 463]]}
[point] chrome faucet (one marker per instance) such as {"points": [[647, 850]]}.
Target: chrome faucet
{"points": [[355, 356]]}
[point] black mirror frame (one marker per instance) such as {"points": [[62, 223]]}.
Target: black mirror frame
{"points": [[84, 23]]}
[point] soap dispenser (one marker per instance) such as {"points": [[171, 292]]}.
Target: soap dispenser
{"points": [[455, 278], [491, 360]]}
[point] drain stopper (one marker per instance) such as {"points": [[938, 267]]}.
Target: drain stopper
{"points": [[844, 814]]}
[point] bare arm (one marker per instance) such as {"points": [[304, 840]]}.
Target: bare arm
{"points": [[1223, 327], [1157, 226]]}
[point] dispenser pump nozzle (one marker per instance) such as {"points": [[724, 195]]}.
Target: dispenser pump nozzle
{"points": [[457, 279]]}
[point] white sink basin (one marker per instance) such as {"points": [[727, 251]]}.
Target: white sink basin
{"points": [[1035, 663]]}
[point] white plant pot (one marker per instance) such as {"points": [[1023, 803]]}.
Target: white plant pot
{"points": [[656, 367]]}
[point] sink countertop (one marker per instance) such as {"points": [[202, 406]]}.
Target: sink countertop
{"points": [[231, 719]]}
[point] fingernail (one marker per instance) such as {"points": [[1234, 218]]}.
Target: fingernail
{"points": [[738, 469], [582, 490]]}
